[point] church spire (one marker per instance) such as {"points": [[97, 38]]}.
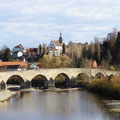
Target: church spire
{"points": [[60, 38], [60, 34]]}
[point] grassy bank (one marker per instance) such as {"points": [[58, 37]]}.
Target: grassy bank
{"points": [[108, 87]]}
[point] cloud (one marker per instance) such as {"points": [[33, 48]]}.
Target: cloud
{"points": [[32, 22]]}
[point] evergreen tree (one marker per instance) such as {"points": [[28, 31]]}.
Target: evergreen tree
{"points": [[118, 40], [98, 50], [39, 49], [117, 57], [85, 52], [7, 55], [79, 62], [92, 51], [63, 48], [109, 57], [1, 55]]}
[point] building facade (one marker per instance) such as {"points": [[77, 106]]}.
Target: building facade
{"points": [[18, 51], [55, 47], [32, 51], [13, 66]]}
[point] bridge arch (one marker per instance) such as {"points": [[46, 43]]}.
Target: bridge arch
{"points": [[99, 75], [111, 75], [62, 80], [78, 81], [39, 81], [82, 76], [15, 80]]}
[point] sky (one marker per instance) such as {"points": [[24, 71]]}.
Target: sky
{"points": [[34, 22]]}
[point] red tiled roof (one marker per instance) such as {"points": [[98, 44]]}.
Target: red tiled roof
{"points": [[56, 42], [13, 63]]}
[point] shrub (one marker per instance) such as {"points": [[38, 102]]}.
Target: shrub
{"points": [[112, 68]]}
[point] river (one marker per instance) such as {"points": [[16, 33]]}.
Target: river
{"points": [[70, 105]]}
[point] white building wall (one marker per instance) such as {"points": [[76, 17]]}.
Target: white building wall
{"points": [[59, 47], [56, 51], [17, 50]]}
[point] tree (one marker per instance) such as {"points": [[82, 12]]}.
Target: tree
{"points": [[112, 38], [92, 51], [7, 55], [118, 49], [44, 48], [54, 62], [39, 49], [98, 50], [118, 40], [1, 55], [63, 48], [79, 62], [85, 52], [109, 57]]}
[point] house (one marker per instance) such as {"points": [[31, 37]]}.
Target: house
{"points": [[55, 46], [13, 66], [32, 51], [18, 51]]}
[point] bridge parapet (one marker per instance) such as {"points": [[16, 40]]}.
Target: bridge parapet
{"points": [[52, 73]]}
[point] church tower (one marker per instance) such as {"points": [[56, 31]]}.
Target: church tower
{"points": [[60, 38]]}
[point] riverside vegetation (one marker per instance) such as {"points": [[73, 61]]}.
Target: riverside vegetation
{"points": [[108, 87]]}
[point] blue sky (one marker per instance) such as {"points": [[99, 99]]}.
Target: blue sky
{"points": [[31, 22]]}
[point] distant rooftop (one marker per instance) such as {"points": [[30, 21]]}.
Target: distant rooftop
{"points": [[19, 46], [57, 43], [13, 63]]}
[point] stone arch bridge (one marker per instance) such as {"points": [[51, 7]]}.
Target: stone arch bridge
{"points": [[50, 74]]}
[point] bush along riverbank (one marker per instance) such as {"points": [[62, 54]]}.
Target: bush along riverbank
{"points": [[109, 88]]}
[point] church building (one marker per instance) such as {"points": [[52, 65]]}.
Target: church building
{"points": [[55, 46]]}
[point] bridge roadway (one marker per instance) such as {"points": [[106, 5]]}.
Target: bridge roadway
{"points": [[50, 74]]}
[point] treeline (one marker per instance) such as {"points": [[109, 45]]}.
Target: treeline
{"points": [[105, 51]]}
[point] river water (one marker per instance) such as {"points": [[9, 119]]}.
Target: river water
{"points": [[71, 105]]}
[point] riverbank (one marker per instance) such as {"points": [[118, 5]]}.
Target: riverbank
{"points": [[112, 106], [51, 89], [66, 89], [6, 94], [109, 88]]}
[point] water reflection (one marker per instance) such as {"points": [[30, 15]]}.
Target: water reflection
{"points": [[72, 105], [3, 104]]}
